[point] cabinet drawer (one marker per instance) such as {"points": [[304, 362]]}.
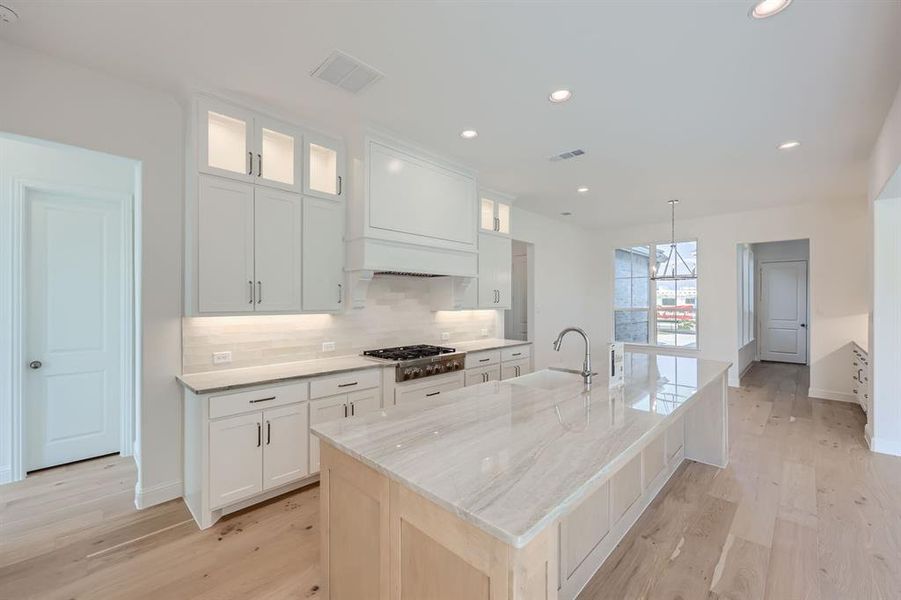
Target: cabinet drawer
{"points": [[421, 392], [483, 375], [482, 359], [257, 399], [345, 382], [516, 353]]}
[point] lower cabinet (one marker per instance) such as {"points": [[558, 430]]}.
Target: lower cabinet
{"points": [[515, 368], [255, 452], [340, 406], [494, 365], [483, 375]]}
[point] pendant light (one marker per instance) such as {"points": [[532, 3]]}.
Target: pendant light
{"points": [[669, 272]]}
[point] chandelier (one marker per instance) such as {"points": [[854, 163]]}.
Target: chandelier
{"points": [[670, 270]]}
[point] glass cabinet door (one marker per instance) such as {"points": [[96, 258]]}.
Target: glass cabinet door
{"points": [[503, 218], [323, 167], [486, 220], [225, 140], [277, 159]]}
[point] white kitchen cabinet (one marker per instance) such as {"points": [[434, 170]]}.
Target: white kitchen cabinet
{"points": [[240, 144], [428, 388], [494, 213], [346, 404], [248, 248], [583, 529], [495, 271], [323, 254], [225, 272], [324, 165], [285, 449], [516, 368], [483, 375], [225, 140], [278, 232], [236, 458], [278, 154]]}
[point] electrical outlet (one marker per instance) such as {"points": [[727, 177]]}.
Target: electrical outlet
{"points": [[328, 346], [484, 332], [445, 336], [220, 358]]}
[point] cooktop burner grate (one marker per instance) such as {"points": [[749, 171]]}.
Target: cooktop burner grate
{"points": [[408, 352]]}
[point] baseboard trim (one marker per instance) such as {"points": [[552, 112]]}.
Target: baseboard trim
{"points": [[6, 475], [883, 446], [831, 395], [157, 494]]}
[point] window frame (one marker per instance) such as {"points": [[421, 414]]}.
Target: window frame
{"points": [[652, 299]]}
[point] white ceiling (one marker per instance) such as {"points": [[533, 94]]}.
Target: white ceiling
{"points": [[684, 99]]}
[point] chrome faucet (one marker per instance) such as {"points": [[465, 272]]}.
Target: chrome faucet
{"points": [[586, 366]]}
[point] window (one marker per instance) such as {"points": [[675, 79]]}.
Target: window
{"points": [[631, 294], [745, 294], [673, 322]]}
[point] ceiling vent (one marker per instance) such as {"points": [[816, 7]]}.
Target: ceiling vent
{"points": [[566, 155], [346, 72]]}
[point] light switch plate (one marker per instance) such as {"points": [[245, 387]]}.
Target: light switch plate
{"points": [[445, 336], [328, 346], [220, 358]]}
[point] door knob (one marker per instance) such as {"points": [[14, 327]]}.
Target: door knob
{"points": [[35, 364], [803, 324]]}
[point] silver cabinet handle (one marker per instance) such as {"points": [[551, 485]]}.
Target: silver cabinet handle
{"points": [[516, 354], [268, 432], [340, 185], [259, 291], [259, 435], [340, 293], [259, 165], [250, 163], [432, 394], [35, 364], [351, 409], [484, 359], [250, 284], [348, 384], [345, 410], [262, 400]]}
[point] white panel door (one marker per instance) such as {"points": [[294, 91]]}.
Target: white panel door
{"points": [[323, 254], [285, 447], [495, 271], [224, 246], [225, 140], [783, 311], [323, 167], [278, 229], [279, 149], [73, 309], [325, 409], [364, 401], [236, 458]]}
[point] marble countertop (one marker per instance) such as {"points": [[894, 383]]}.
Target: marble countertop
{"points": [[487, 344], [218, 381], [513, 456]]}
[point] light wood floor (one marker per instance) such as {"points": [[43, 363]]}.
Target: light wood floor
{"points": [[803, 511]]}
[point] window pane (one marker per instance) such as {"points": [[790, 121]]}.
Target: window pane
{"points": [[640, 292], [622, 263], [689, 253], [640, 256], [631, 326], [622, 293], [666, 313]]}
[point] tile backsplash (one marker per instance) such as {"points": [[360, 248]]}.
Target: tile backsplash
{"points": [[397, 312]]}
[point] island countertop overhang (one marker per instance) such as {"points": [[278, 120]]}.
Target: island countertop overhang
{"points": [[512, 457]]}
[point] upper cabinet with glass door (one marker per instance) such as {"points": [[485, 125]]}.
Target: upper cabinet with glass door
{"points": [[494, 213], [240, 144], [323, 167]]}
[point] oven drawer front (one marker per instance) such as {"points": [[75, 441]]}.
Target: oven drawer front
{"points": [[428, 389]]}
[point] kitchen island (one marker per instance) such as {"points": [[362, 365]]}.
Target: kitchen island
{"points": [[511, 489]]}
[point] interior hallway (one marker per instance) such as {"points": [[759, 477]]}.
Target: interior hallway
{"points": [[804, 510]]}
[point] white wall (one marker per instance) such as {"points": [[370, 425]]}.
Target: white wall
{"points": [[837, 279], [783, 250], [53, 100], [566, 284]]}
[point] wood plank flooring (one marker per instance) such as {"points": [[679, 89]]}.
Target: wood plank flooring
{"points": [[804, 511]]}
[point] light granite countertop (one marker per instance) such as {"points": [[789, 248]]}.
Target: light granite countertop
{"points": [[513, 456], [227, 379]]}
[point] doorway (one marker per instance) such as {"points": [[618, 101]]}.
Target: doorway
{"points": [[516, 319], [782, 302], [71, 282]]}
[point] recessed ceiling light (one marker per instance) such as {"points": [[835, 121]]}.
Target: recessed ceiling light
{"points": [[582, 189], [469, 134], [789, 145], [768, 8], [8, 15], [558, 96]]}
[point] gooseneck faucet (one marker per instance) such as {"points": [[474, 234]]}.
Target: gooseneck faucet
{"points": [[586, 366]]}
